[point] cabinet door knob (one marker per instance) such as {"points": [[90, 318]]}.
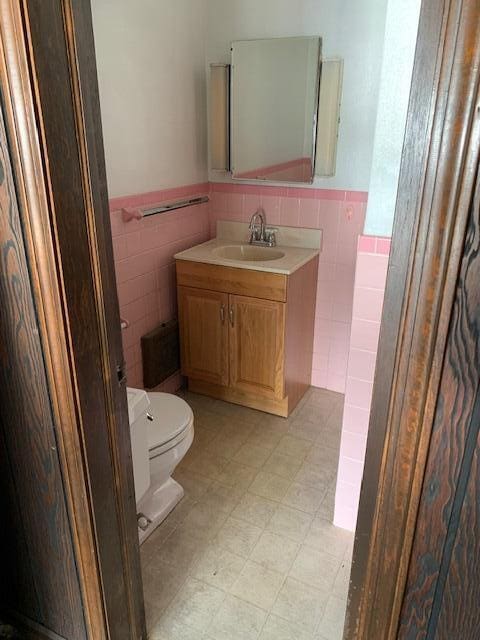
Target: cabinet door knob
{"points": [[230, 313], [222, 313]]}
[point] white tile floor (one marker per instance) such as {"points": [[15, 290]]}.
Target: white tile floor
{"points": [[250, 552]]}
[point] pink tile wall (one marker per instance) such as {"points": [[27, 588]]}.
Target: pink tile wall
{"points": [[145, 268], [370, 278], [340, 214], [144, 265]]}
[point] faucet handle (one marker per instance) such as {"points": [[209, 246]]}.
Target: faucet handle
{"points": [[270, 236]]}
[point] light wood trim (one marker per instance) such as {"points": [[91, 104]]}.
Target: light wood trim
{"points": [[242, 282], [299, 331], [439, 163], [35, 211], [257, 340], [276, 407]]}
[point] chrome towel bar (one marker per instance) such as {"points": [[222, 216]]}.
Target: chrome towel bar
{"points": [[137, 213]]}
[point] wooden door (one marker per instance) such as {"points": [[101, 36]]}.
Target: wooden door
{"points": [[65, 441], [443, 587], [257, 354], [415, 570], [39, 576], [204, 334]]}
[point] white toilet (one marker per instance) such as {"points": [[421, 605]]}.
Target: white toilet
{"points": [[161, 429]]}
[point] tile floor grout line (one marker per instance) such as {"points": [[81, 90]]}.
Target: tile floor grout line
{"points": [[230, 497]]}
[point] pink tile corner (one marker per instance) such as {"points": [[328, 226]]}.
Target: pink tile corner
{"points": [[367, 244], [345, 517]]}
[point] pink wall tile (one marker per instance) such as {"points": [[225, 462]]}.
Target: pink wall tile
{"points": [[361, 364], [236, 204], [120, 250], [353, 446], [251, 203], [325, 298], [349, 494], [309, 213], [144, 257], [370, 278], [271, 206], [290, 212], [384, 246], [365, 334], [353, 471], [320, 358], [367, 244], [359, 392], [335, 381], [345, 518], [371, 270], [144, 263], [329, 212], [355, 419], [326, 272], [351, 219], [319, 378], [368, 303], [330, 194], [356, 196]]}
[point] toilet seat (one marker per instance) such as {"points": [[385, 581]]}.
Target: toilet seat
{"points": [[171, 423]]}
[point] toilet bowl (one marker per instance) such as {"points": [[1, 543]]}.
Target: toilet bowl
{"points": [[161, 430]]}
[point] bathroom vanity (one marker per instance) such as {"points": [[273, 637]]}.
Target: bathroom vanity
{"points": [[246, 317]]}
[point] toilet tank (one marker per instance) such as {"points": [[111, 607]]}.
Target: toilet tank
{"points": [[138, 404]]}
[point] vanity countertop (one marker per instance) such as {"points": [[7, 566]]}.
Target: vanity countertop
{"points": [[297, 246]]}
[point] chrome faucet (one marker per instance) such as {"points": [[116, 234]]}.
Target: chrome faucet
{"points": [[259, 232]]}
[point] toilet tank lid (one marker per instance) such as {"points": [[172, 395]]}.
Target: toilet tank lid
{"points": [[171, 415], [138, 403]]}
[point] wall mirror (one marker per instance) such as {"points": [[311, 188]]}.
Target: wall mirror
{"points": [[273, 108]]}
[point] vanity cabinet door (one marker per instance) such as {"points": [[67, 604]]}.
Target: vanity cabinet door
{"points": [[204, 334], [257, 331]]}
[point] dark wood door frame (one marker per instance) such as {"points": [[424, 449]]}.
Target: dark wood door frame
{"points": [[50, 101], [49, 94], [437, 179]]}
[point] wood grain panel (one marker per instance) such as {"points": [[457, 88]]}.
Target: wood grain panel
{"points": [[34, 486], [80, 44], [62, 55], [437, 176], [204, 334], [243, 282], [299, 331], [456, 616], [34, 204], [257, 351], [17, 584], [445, 528]]}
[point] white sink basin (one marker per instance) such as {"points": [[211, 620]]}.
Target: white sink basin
{"points": [[248, 253]]}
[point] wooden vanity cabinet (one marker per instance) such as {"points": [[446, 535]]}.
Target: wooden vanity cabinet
{"points": [[204, 334], [257, 346], [247, 336]]}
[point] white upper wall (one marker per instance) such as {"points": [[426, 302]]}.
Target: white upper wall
{"points": [[151, 66], [151, 73], [351, 30], [400, 38]]}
